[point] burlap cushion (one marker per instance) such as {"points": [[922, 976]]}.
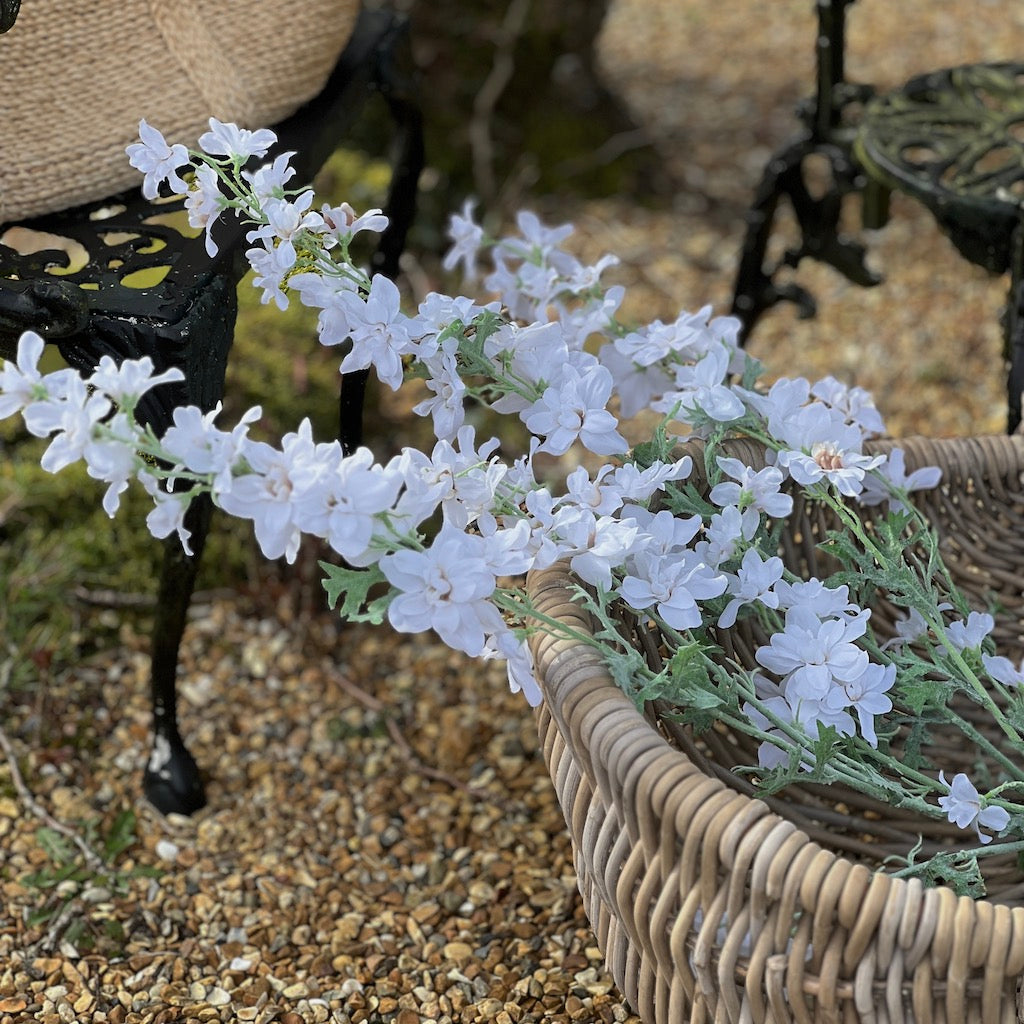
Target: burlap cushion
{"points": [[77, 75]]}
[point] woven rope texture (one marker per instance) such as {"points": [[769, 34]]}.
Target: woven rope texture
{"points": [[714, 906], [79, 75]]}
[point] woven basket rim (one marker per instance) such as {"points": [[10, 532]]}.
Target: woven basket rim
{"points": [[622, 756]]}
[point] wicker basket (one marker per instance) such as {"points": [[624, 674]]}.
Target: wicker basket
{"points": [[711, 905]]}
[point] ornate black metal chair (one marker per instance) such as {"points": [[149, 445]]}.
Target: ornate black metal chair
{"points": [[94, 307], [952, 139]]}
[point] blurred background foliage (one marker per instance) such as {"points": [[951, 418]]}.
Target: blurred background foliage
{"points": [[515, 113]]}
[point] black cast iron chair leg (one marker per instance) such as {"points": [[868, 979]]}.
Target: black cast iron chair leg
{"points": [[407, 165], [172, 781]]}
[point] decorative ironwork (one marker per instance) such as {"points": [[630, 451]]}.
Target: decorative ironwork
{"points": [[826, 135], [954, 140]]}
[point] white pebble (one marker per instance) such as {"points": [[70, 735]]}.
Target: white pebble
{"points": [[166, 850]]}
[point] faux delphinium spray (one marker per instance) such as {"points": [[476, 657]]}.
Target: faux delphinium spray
{"points": [[431, 540]]}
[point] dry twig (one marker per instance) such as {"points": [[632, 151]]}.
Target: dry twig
{"points": [[92, 858], [490, 92]]}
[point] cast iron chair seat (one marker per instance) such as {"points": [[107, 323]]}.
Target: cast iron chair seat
{"points": [[952, 139], [127, 278]]}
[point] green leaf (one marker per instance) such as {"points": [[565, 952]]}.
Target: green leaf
{"points": [[658, 449], [777, 779], [55, 846], [691, 684], [353, 586], [822, 749], [956, 869], [121, 835], [917, 738], [915, 690], [687, 500]]}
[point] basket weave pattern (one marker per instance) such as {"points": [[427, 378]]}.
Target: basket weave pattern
{"points": [[79, 75], [712, 905]]}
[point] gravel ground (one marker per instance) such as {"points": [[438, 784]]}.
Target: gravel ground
{"points": [[382, 842]]}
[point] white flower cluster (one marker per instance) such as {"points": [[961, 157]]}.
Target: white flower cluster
{"points": [[550, 351]]}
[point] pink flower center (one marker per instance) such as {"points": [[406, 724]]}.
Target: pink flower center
{"points": [[827, 456]]}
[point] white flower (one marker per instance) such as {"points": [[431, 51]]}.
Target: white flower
{"points": [[635, 484], [376, 326], [662, 532], [157, 161], [892, 474], [908, 629], [445, 588], [824, 447], [227, 139], [438, 314], [341, 497], [539, 242], [723, 535], [268, 181], [113, 458], [1002, 670], [342, 222], [814, 595], [168, 513], [855, 404], [271, 267], [22, 383], [575, 408], [467, 237], [128, 381], [600, 495], [536, 355], [866, 694], [701, 387], [963, 807], [673, 585], [550, 526], [636, 386], [522, 677], [462, 478], [811, 653], [782, 406], [607, 546], [650, 344], [595, 316], [324, 292], [194, 442], [446, 406], [510, 549], [753, 582], [756, 492], [285, 219], [205, 202], [70, 419], [970, 634], [769, 754], [266, 495]]}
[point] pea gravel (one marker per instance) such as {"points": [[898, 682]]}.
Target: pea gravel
{"points": [[382, 843]]}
